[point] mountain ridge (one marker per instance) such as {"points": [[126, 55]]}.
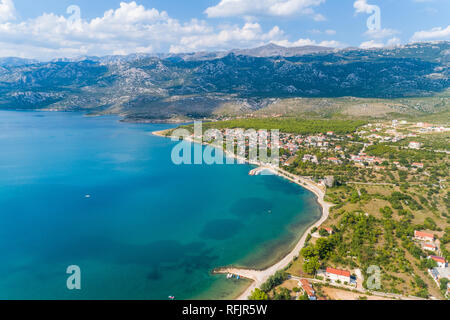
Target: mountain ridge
{"points": [[151, 87]]}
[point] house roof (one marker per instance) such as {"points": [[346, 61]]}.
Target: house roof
{"points": [[338, 272], [423, 234], [329, 230], [307, 287], [437, 259]]}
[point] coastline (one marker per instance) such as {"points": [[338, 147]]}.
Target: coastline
{"points": [[261, 276]]}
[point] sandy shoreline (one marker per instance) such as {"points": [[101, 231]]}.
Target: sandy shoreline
{"points": [[261, 276]]}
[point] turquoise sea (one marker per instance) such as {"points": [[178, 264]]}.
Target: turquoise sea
{"points": [[149, 229]]}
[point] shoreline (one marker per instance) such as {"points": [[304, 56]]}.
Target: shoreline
{"points": [[261, 276]]}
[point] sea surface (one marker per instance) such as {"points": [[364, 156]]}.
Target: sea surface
{"points": [[105, 196]]}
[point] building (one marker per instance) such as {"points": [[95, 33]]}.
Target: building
{"points": [[334, 160], [429, 247], [309, 157], [329, 230], [423, 236], [308, 289], [418, 165], [329, 181], [439, 260], [338, 275], [415, 145]]}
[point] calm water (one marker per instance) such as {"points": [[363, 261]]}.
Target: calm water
{"points": [[150, 228]]}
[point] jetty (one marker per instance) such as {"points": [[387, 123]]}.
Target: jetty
{"points": [[263, 170]]}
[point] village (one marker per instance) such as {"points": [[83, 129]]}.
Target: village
{"points": [[395, 155], [348, 284]]}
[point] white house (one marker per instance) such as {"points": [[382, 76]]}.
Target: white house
{"points": [[337, 274], [306, 286], [429, 247], [439, 260], [415, 145], [423, 236]]}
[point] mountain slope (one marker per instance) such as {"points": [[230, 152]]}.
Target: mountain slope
{"points": [[145, 87]]}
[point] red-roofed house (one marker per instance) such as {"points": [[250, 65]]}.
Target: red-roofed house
{"points": [[329, 230], [334, 160], [440, 261], [423, 236], [306, 286], [337, 274], [429, 247]]}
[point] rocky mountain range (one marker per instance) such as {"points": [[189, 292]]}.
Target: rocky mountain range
{"points": [[169, 86]]}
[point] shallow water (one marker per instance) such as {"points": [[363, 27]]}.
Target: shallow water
{"points": [[149, 229]]}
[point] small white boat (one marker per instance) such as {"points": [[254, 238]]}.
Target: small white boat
{"points": [[87, 196]]}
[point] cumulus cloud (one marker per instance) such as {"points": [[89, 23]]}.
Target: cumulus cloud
{"points": [[361, 6], [377, 44], [393, 42], [381, 34], [309, 42], [438, 33], [231, 8], [7, 11], [231, 36], [371, 44], [130, 28]]}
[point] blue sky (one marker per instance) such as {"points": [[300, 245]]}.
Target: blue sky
{"points": [[43, 29]]}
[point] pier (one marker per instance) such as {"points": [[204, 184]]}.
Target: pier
{"points": [[263, 170]]}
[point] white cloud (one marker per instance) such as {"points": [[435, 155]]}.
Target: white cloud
{"points": [[381, 34], [7, 11], [361, 6], [308, 42], [376, 44], [438, 33], [329, 32], [251, 34], [230, 8], [393, 42], [371, 44], [127, 29]]}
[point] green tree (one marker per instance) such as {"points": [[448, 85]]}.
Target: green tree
{"points": [[323, 247], [303, 297], [282, 294], [443, 284], [308, 252], [311, 265], [258, 294]]}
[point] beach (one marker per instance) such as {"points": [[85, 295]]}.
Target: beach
{"points": [[261, 276]]}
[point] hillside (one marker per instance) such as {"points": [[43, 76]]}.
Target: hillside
{"points": [[142, 87]]}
